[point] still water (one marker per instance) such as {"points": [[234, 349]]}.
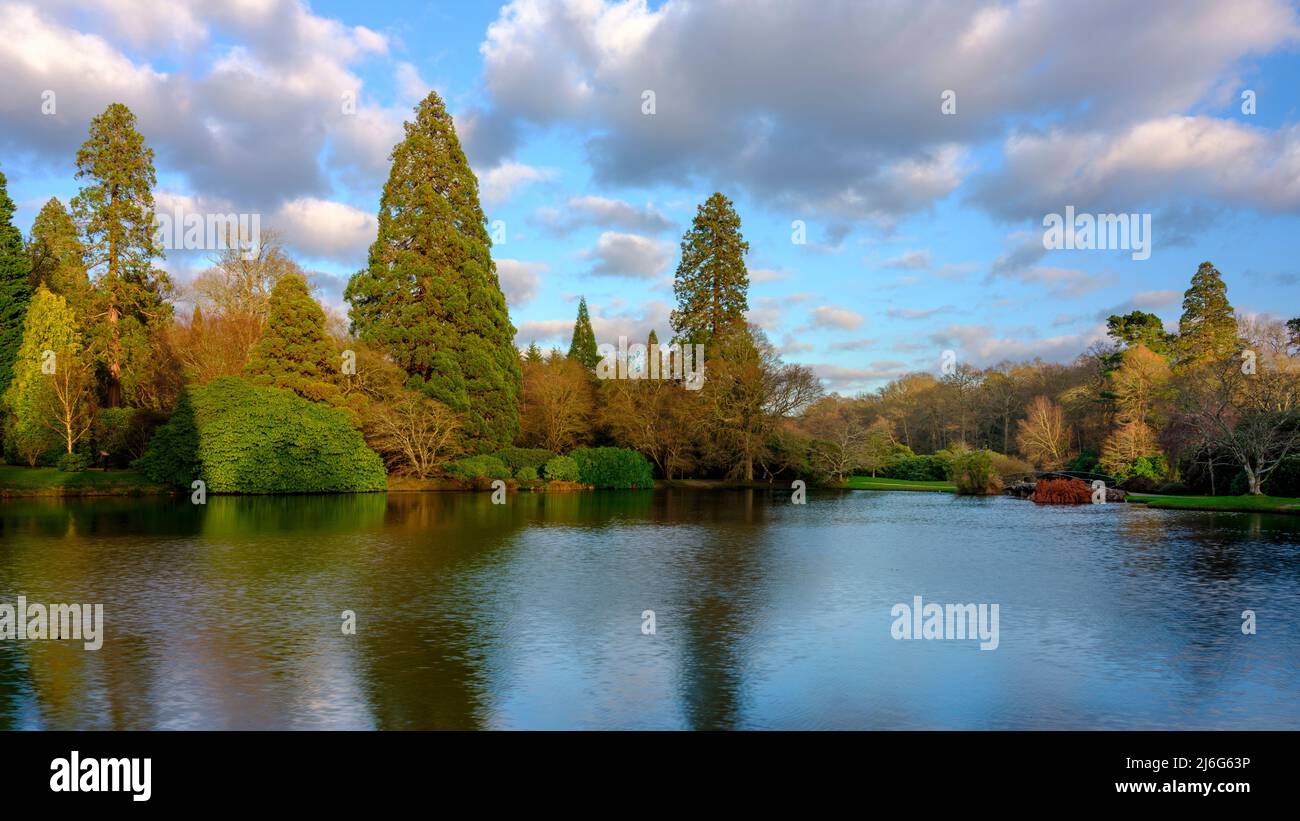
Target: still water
{"points": [[530, 615]]}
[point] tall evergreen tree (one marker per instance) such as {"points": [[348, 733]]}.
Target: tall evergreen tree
{"points": [[1139, 328], [15, 287], [533, 355], [712, 284], [294, 352], [59, 259], [115, 213], [430, 294], [582, 348], [1208, 328]]}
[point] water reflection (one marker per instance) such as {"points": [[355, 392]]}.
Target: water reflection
{"points": [[528, 615]]}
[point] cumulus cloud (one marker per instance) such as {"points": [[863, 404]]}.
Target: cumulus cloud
{"points": [[842, 378], [324, 229], [981, 346], [808, 111], [627, 255], [1171, 157], [833, 317], [498, 184], [603, 212], [520, 280]]}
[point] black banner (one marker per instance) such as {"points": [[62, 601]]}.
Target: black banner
{"points": [[147, 771]]}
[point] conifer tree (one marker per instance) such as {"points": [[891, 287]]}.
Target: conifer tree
{"points": [[430, 296], [294, 352], [533, 355], [58, 258], [115, 213], [15, 287], [1208, 328], [582, 348], [712, 284]]}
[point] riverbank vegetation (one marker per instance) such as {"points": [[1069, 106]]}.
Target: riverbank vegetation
{"points": [[256, 388]]}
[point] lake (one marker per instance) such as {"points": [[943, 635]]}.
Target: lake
{"points": [[532, 614]]}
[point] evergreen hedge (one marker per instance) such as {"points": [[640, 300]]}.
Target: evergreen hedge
{"points": [[613, 468], [241, 438]]}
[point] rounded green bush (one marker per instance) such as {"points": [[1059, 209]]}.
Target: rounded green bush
{"points": [[527, 473], [479, 467], [516, 458], [561, 469], [613, 468], [240, 438]]}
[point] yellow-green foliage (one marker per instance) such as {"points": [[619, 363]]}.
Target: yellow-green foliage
{"points": [[241, 438]]}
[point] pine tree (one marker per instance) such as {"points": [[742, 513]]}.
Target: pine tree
{"points": [[430, 294], [1139, 328], [115, 212], [1208, 328], [582, 348], [57, 255], [712, 284], [294, 352], [533, 355], [15, 287]]}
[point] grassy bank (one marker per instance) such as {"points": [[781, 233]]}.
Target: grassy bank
{"points": [[22, 481], [880, 483], [1242, 504]]}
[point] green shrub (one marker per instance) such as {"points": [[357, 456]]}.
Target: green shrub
{"points": [[111, 432], [613, 468], [74, 462], [1085, 462], [516, 458], [527, 473], [1004, 465], [241, 438], [917, 469], [479, 467], [561, 469], [973, 474]]}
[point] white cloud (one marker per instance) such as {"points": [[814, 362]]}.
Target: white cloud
{"points": [[520, 280], [500, 183], [324, 229], [628, 255], [828, 316]]}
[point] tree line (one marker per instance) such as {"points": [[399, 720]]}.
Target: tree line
{"points": [[93, 357]]}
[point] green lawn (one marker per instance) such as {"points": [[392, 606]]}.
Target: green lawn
{"points": [[22, 481], [1246, 504], [880, 483]]}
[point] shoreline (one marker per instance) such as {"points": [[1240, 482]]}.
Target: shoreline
{"points": [[18, 482]]}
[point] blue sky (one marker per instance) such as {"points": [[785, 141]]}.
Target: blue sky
{"points": [[924, 229]]}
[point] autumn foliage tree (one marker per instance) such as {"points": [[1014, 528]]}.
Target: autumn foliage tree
{"points": [[1043, 436]]}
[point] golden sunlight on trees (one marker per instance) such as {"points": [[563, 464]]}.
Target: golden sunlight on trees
{"points": [[1042, 435], [559, 404]]}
